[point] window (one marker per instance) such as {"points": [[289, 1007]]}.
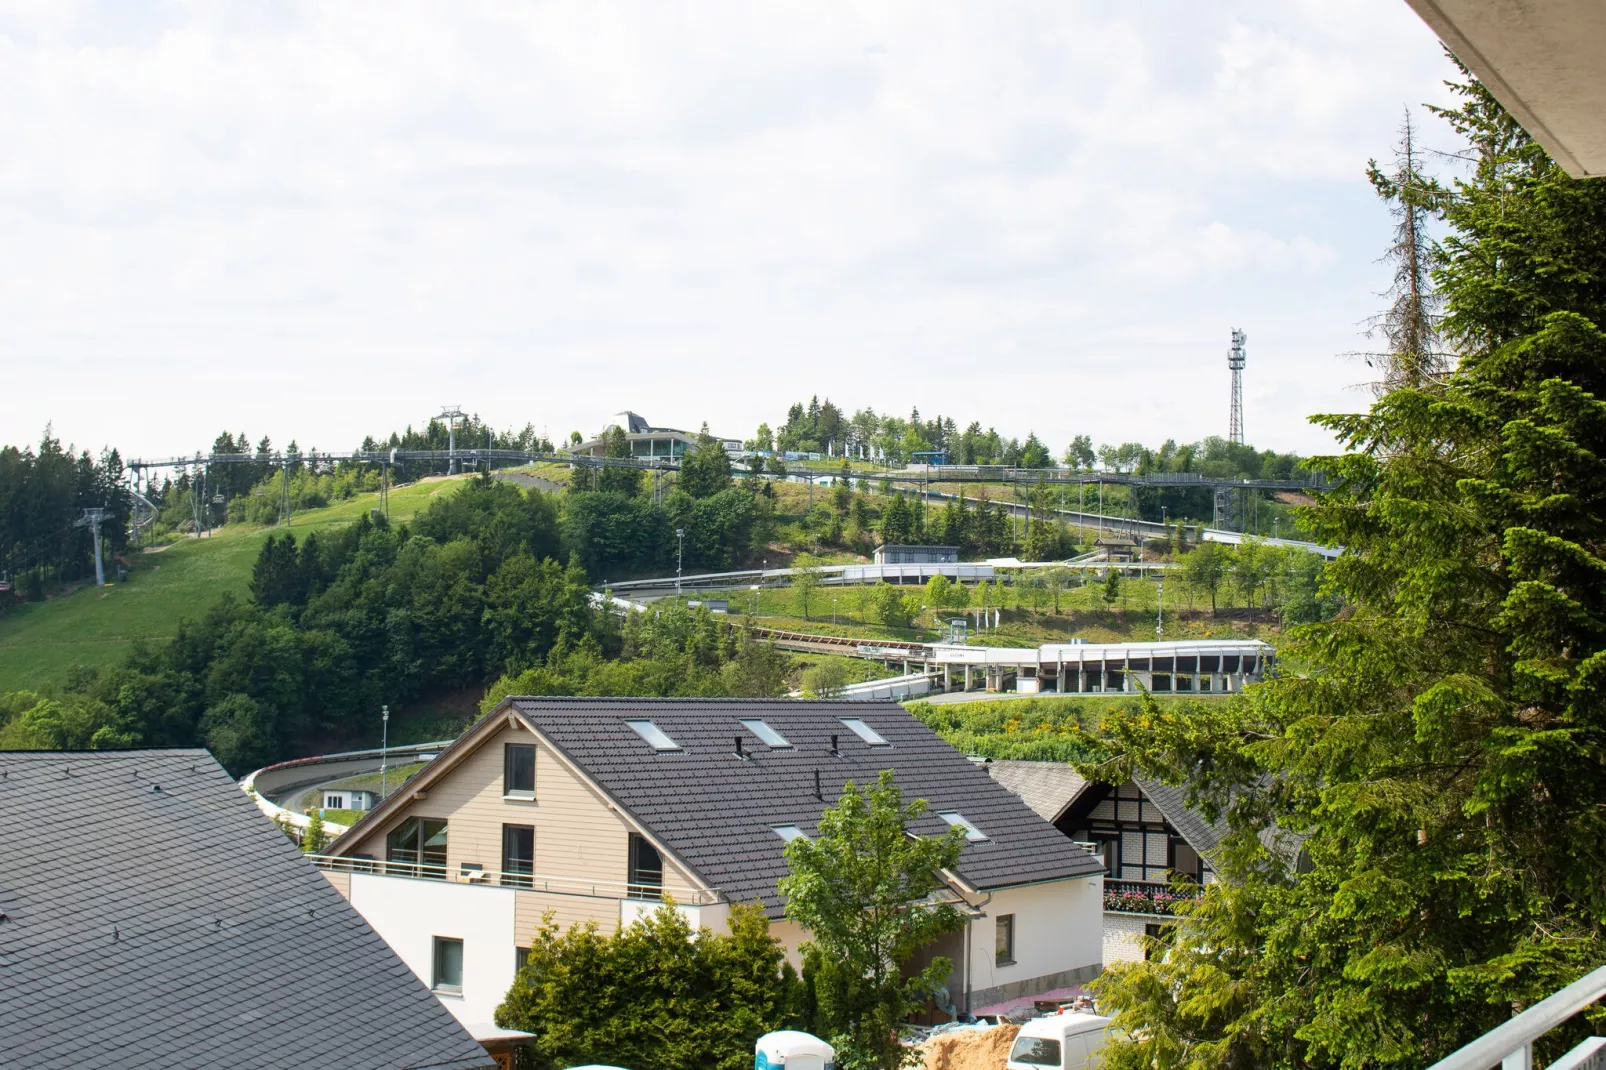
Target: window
{"points": [[334, 800], [655, 736], [864, 732], [959, 821], [1004, 940], [646, 870], [1036, 1051], [448, 976], [1154, 933], [417, 848], [521, 958], [1185, 860], [518, 855], [790, 833], [770, 736], [518, 770]]}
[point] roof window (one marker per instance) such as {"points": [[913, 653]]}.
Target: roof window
{"points": [[655, 736], [790, 833], [764, 732], [864, 732], [959, 821]]}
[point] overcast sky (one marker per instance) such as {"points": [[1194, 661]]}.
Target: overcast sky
{"points": [[319, 220]]}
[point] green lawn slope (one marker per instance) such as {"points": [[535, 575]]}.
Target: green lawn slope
{"points": [[41, 642]]}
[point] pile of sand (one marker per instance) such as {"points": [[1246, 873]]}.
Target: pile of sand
{"points": [[970, 1049]]}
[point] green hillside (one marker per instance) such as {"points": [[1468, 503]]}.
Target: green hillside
{"points": [[41, 642]]}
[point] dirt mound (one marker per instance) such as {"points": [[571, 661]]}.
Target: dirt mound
{"points": [[970, 1049]]}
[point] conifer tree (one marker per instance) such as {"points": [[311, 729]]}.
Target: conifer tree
{"points": [[1417, 813]]}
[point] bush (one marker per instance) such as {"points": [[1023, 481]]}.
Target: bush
{"points": [[654, 996]]}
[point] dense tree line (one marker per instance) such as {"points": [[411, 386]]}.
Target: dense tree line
{"points": [[1417, 815], [346, 620], [42, 493]]}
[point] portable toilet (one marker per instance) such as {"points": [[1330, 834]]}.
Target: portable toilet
{"points": [[793, 1050]]}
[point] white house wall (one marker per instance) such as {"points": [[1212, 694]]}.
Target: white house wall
{"points": [[409, 913], [1058, 932]]}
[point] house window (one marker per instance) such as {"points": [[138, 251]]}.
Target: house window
{"points": [[521, 958], [770, 736], [417, 848], [518, 770], [1153, 932], [959, 821], [790, 833], [646, 870], [448, 975], [1004, 940], [656, 737], [1185, 860], [863, 730], [518, 855]]}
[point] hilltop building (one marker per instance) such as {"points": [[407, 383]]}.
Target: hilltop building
{"points": [[650, 443]]}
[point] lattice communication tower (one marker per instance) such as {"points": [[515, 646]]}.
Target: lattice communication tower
{"points": [[1235, 361]]}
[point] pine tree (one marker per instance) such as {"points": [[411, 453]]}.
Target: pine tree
{"points": [[1417, 813]]}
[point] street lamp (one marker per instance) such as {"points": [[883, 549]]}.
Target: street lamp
{"points": [[680, 546], [384, 750], [1159, 610]]}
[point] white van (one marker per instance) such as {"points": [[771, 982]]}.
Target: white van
{"points": [[1065, 1041]]}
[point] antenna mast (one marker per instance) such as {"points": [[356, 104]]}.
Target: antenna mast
{"points": [[1235, 361]]}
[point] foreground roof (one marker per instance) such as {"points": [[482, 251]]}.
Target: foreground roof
{"points": [[718, 813], [1540, 60], [150, 916]]}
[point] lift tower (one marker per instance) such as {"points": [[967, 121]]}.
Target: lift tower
{"points": [[451, 416], [1235, 361], [92, 520]]}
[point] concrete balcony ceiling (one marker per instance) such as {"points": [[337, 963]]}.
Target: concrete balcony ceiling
{"points": [[1545, 60]]}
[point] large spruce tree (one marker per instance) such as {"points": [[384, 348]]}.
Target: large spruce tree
{"points": [[1418, 800]]}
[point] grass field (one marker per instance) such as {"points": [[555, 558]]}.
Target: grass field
{"points": [[41, 642]]}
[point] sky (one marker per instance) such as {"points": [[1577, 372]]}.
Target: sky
{"points": [[318, 221]]}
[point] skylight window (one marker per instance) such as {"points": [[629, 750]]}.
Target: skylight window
{"points": [[864, 732], [790, 833], [959, 821], [764, 732], [655, 736]]}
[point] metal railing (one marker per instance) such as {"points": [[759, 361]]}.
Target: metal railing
{"points": [[1145, 897], [1511, 1045], [472, 874]]}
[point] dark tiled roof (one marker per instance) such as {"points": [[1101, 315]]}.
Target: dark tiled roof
{"points": [[153, 917], [717, 812]]}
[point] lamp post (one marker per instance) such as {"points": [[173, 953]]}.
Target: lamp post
{"points": [[680, 546], [1159, 610], [384, 751]]}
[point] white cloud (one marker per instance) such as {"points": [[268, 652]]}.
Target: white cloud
{"points": [[319, 221]]}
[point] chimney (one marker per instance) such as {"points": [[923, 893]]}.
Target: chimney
{"points": [[833, 746], [818, 794], [739, 753]]}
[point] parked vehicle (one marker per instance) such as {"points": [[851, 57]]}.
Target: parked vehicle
{"points": [[790, 1049], [1069, 1040]]}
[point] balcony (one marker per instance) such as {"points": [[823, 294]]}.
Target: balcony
{"points": [[1144, 897], [470, 873]]}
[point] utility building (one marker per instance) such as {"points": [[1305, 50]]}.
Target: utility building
{"points": [[650, 443], [916, 555]]}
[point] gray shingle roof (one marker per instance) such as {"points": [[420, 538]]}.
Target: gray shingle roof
{"points": [[1050, 787], [717, 812], [153, 917]]}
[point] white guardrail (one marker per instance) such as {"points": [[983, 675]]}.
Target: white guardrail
{"points": [[1511, 1046], [394, 756]]}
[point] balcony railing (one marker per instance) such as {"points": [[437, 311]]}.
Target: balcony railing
{"points": [[1511, 1045], [1144, 897], [470, 873]]}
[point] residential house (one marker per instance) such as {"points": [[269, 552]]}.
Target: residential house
{"points": [[1142, 831], [599, 809], [151, 917]]}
